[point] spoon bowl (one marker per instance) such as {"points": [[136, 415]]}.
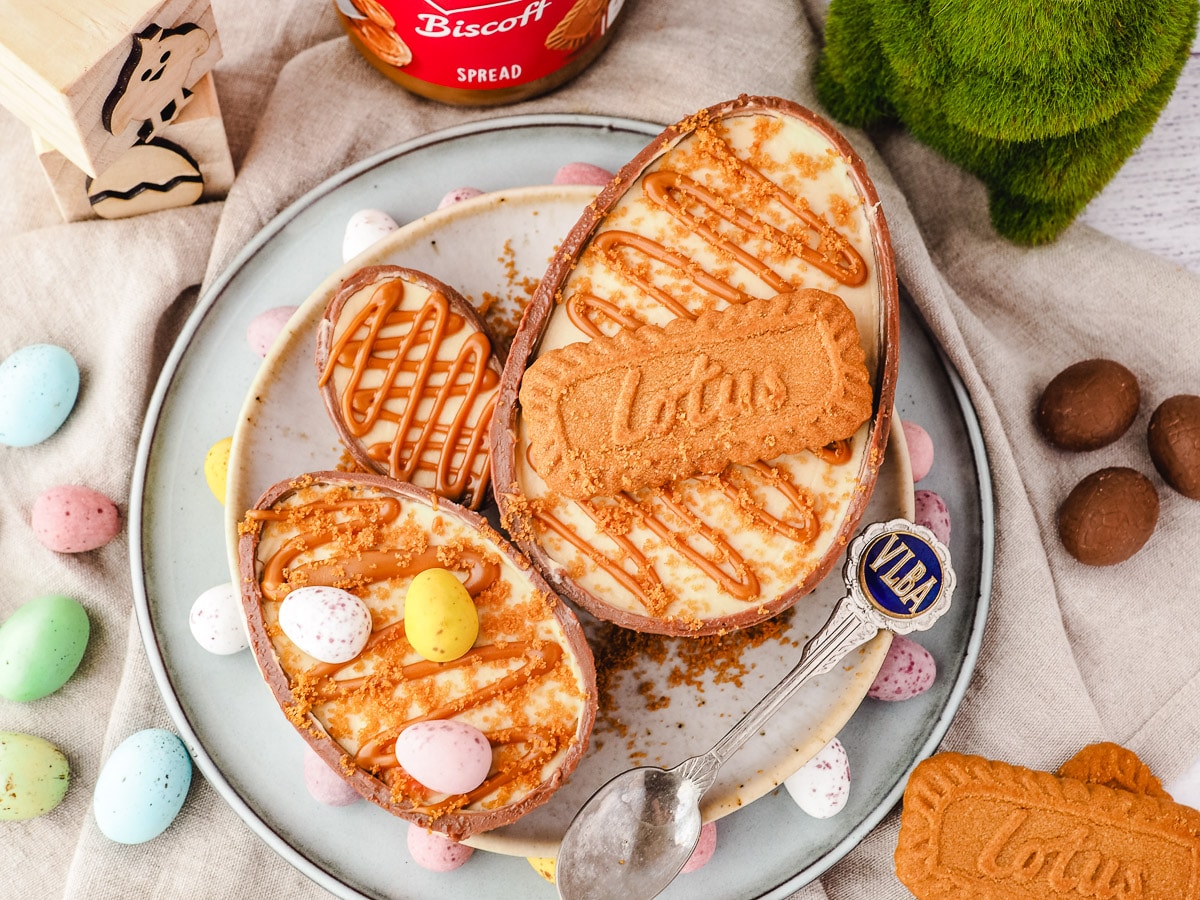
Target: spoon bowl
{"points": [[644, 824]]}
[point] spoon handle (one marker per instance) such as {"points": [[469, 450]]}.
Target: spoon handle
{"points": [[842, 632]]}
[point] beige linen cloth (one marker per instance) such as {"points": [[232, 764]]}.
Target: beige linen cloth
{"points": [[1071, 654]]}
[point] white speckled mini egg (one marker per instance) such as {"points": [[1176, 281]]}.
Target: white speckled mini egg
{"points": [[821, 786], [458, 195], [908, 670], [365, 229], [142, 786], [327, 623], [216, 620], [445, 755], [38, 388]]}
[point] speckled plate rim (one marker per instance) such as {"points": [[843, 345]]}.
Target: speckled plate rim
{"points": [[139, 497]]}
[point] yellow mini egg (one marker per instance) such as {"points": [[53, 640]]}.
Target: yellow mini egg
{"points": [[216, 467], [543, 865], [440, 620]]}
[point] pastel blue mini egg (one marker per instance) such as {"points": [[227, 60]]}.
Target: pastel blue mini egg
{"points": [[142, 786], [38, 388]]}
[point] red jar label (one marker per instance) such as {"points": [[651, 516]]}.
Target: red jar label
{"points": [[481, 45]]}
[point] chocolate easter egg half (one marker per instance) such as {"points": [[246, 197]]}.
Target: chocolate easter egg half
{"points": [[710, 364], [527, 682], [409, 378]]}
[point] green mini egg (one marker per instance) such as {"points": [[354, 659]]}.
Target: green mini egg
{"points": [[33, 776], [440, 620], [41, 646]]}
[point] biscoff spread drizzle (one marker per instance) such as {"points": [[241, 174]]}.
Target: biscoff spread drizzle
{"points": [[353, 542], [429, 400], [731, 219]]}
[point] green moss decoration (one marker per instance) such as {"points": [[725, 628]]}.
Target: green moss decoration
{"points": [[1042, 101]]}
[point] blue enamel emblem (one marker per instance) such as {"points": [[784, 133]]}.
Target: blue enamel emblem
{"points": [[901, 574]]}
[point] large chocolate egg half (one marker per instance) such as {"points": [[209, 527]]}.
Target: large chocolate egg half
{"points": [[528, 682], [746, 200], [408, 376]]}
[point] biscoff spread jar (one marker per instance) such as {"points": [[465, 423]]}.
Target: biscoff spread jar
{"points": [[479, 52]]}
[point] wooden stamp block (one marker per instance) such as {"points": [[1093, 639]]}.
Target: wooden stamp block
{"points": [[93, 77], [186, 162]]}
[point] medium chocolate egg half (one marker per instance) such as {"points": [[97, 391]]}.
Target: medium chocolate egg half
{"points": [[528, 682], [740, 204], [407, 373]]}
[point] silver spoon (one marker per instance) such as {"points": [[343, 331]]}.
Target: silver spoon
{"points": [[632, 837]]}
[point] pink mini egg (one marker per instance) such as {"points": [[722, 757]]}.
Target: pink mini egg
{"points": [[216, 620], [705, 848], [920, 449], [265, 327], [930, 511], [445, 755], [434, 851], [325, 785], [907, 670], [582, 173], [821, 786], [72, 519], [458, 195], [327, 623]]}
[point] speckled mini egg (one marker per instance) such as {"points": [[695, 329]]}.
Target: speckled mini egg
{"points": [[34, 775], [216, 620], [546, 866], [458, 195], [440, 619], [41, 646], [1109, 516], [931, 511], [142, 786], [821, 786], [216, 467], [327, 623], [705, 848], [582, 173], [325, 785], [446, 755], [265, 327], [434, 851], [920, 449], [71, 518], [366, 228], [908, 670], [38, 388]]}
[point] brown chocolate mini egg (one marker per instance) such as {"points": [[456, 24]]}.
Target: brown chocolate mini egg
{"points": [[1088, 405], [1174, 438], [1108, 516]]}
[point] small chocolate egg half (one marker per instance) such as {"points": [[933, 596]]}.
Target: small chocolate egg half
{"points": [[1108, 516], [1174, 439], [1088, 405]]}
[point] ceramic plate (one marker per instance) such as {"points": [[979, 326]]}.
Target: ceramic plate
{"points": [[225, 713], [491, 247]]}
